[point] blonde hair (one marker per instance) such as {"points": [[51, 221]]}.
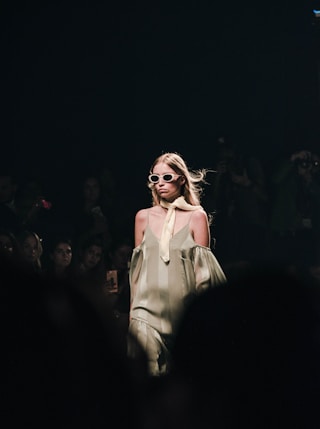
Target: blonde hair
{"points": [[194, 179]]}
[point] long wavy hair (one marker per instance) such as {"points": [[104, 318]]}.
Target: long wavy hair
{"points": [[192, 189]]}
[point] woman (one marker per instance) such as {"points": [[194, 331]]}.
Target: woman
{"points": [[31, 250], [59, 264], [90, 257], [172, 259]]}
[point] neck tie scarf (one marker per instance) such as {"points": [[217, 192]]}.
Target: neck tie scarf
{"points": [[167, 230]]}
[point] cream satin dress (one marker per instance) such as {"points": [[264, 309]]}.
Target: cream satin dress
{"points": [[160, 291]]}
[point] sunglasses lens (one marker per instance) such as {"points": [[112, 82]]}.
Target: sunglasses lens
{"points": [[154, 178], [168, 177]]}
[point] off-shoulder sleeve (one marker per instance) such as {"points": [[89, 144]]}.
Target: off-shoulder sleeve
{"points": [[208, 271]]}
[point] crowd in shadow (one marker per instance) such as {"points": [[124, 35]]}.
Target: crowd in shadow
{"points": [[246, 353], [266, 213]]}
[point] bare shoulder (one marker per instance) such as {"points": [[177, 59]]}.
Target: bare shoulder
{"points": [[199, 226], [200, 216], [142, 214]]}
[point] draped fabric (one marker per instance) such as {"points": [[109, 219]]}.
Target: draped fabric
{"points": [[168, 226], [161, 291]]}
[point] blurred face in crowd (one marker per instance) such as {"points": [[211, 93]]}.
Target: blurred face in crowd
{"points": [[62, 255], [30, 249], [121, 257], [92, 256]]}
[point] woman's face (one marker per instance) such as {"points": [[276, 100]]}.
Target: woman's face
{"points": [[92, 256], [169, 191], [62, 255], [30, 249], [121, 257]]}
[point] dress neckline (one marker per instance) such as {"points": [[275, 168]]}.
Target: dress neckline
{"points": [[176, 233]]}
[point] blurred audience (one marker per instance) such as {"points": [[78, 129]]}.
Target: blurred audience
{"points": [[239, 199], [89, 214], [32, 209], [59, 258], [294, 235], [246, 354], [62, 366], [90, 254], [31, 250], [89, 262]]}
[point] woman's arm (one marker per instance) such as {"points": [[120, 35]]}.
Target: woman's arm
{"points": [[199, 227], [140, 226]]}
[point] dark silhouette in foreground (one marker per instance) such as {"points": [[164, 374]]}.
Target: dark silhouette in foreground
{"points": [[246, 355], [62, 366]]}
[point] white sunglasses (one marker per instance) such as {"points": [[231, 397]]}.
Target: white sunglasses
{"points": [[168, 177]]}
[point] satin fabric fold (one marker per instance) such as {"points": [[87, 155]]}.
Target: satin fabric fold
{"points": [[168, 226]]}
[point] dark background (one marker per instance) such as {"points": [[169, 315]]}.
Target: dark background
{"points": [[113, 85]]}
